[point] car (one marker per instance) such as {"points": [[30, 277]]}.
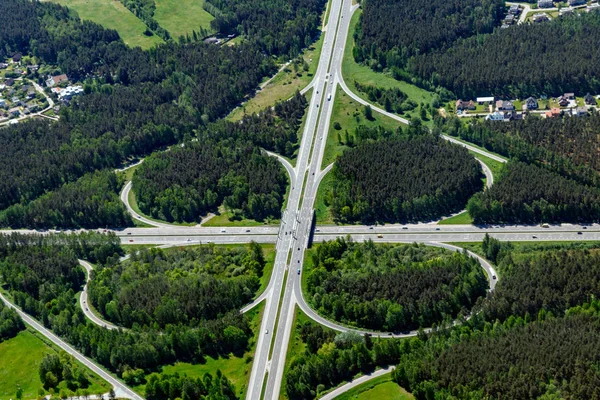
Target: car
{"points": [[266, 331], [209, 241], [437, 229], [580, 233], [329, 97], [298, 271], [130, 240], [129, 233], [534, 237], [298, 248], [405, 227], [189, 240], [585, 227], [247, 230], [379, 236], [317, 230], [370, 227], [493, 276], [222, 230], [298, 261]]}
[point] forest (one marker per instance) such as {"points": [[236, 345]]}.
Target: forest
{"points": [[526, 193], [56, 368], [10, 323], [568, 146], [405, 179], [158, 287], [43, 276], [551, 59], [542, 308], [392, 100], [89, 202], [390, 31], [277, 27], [523, 360], [224, 166], [173, 387], [392, 287]]}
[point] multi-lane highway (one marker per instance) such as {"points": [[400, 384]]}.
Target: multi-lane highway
{"points": [[284, 290]]}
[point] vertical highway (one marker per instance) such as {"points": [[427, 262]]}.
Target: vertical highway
{"points": [[276, 323]]}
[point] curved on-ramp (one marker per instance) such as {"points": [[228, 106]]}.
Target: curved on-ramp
{"points": [[84, 302], [299, 296]]}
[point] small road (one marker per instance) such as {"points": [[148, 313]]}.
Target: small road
{"points": [[489, 176], [84, 301], [356, 382], [121, 390]]}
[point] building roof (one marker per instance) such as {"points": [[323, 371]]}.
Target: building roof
{"points": [[485, 99]]}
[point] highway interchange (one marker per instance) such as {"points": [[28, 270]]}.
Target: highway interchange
{"points": [[291, 237]]}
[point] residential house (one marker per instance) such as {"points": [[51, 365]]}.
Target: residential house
{"points": [[562, 101], [2, 103], [566, 11], [545, 4], [16, 101], [589, 100], [554, 112], [465, 105], [531, 104], [33, 107], [540, 17], [485, 100], [505, 105], [579, 112], [3, 65], [495, 116], [55, 80], [16, 58], [9, 82], [14, 112], [34, 67], [569, 96], [512, 116], [509, 19], [514, 10], [30, 94], [69, 92], [573, 3]]}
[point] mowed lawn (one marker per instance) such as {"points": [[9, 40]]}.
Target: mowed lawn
{"points": [[20, 358], [112, 14], [182, 16]]}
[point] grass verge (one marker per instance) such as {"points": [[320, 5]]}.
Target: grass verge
{"points": [[283, 85], [349, 114], [112, 14], [353, 71], [460, 219]]}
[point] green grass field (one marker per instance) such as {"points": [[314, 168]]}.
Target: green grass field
{"points": [[355, 72], [182, 16], [20, 358], [461, 219], [112, 14], [236, 369], [379, 388], [283, 85]]}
